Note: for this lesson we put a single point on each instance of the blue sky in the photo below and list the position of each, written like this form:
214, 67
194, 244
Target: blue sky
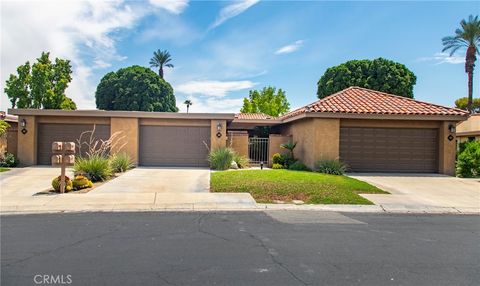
223, 49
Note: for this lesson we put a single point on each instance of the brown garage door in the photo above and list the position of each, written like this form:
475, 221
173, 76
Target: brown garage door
50, 132
181, 146
389, 149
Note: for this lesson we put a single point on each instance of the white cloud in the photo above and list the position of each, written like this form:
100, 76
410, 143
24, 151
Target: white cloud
209, 105
233, 10
212, 87
443, 58
290, 48
172, 6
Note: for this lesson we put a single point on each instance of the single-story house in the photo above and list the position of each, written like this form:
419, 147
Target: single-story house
469, 130
369, 130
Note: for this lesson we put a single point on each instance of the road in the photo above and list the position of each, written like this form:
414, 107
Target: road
243, 248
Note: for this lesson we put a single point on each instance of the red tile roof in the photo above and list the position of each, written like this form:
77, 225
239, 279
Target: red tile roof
359, 100
253, 116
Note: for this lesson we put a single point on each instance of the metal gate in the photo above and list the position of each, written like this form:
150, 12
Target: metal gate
258, 150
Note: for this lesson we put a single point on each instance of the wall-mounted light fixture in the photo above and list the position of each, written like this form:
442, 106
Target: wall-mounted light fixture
219, 126
23, 123
451, 128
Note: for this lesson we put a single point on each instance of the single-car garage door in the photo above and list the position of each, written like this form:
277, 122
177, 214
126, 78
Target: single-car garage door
51, 132
177, 146
389, 149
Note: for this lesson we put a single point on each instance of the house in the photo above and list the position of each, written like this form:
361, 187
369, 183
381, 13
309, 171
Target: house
369, 130
8, 142
469, 129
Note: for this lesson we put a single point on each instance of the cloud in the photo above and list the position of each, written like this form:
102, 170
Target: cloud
212, 87
443, 58
290, 48
233, 10
209, 105
172, 6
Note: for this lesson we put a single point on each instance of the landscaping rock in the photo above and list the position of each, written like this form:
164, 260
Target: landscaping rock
234, 165
298, 202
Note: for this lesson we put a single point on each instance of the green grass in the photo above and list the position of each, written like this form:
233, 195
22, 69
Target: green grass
313, 188
2, 169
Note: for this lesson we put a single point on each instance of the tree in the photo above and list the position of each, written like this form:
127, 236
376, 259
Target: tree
42, 85
3, 127
467, 37
266, 101
379, 74
188, 103
135, 88
159, 60
462, 103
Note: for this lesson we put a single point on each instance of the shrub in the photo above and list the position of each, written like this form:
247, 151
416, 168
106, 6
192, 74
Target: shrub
56, 184
290, 146
298, 166
468, 162
95, 167
277, 158
9, 160
120, 162
333, 167
277, 166
81, 182
221, 158
242, 161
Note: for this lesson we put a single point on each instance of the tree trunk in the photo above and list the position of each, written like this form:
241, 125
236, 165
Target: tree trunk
160, 72
470, 59
188, 107
470, 91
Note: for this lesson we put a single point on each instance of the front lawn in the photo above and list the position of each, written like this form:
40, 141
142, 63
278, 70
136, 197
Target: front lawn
2, 169
266, 186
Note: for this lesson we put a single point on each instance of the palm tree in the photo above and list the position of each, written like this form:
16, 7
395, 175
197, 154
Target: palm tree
188, 102
159, 60
467, 37
290, 146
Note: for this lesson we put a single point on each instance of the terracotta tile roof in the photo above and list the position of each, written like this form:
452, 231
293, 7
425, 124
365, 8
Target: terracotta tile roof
253, 116
359, 100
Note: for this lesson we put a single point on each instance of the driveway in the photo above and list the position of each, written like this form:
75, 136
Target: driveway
159, 180
423, 190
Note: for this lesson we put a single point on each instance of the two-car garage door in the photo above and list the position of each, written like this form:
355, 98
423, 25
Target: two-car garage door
389, 149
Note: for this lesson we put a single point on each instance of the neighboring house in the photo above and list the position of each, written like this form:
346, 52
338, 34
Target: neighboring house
469, 129
8, 142
369, 130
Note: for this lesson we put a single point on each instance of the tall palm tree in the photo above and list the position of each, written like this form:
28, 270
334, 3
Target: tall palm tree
159, 60
188, 102
468, 36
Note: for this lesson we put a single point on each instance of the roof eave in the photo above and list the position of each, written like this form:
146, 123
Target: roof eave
377, 116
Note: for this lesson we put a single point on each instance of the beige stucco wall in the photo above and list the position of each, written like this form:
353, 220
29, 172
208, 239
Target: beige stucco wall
12, 138
275, 140
238, 141
26, 147
217, 142
317, 139
127, 138
446, 149
472, 124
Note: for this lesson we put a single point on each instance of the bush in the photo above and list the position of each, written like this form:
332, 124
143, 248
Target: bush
242, 161
81, 182
468, 162
277, 166
56, 184
120, 162
277, 158
95, 167
9, 160
333, 167
221, 158
298, 166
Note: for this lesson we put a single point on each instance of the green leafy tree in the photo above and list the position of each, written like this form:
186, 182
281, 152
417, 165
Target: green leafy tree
378, 74
3, 127
267, 101
188, 103
159, 60
462, 103
135, 88
467, 37
41, 85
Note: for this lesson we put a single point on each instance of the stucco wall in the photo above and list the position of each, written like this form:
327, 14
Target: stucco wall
26, 147
472, 124
275, 140
127, 138
217, 142
446, 149
12, 138
238, 141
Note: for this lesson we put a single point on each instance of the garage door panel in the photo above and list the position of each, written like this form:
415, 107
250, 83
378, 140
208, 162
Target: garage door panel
181, 146
389, 149
51, 132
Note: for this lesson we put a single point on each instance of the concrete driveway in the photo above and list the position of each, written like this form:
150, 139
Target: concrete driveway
413, 190
159, 180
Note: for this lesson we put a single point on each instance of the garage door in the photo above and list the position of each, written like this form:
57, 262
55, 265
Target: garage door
389, 149
50, 132
181, 146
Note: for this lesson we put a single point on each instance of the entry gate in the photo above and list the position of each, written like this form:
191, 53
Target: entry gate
258, 150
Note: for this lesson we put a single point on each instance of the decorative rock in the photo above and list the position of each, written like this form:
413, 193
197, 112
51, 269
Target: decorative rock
298, 202
234, 165
278, 202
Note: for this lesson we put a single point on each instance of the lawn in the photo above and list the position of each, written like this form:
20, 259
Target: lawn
284, 185
2, 169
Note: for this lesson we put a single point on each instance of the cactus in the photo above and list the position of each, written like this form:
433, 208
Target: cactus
56, 184
81, 182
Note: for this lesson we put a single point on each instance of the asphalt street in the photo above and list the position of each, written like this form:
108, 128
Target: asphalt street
240, 248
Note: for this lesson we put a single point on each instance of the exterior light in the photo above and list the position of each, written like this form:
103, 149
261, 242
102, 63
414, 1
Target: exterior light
451, 128
219, 127
261, 165
24, 123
